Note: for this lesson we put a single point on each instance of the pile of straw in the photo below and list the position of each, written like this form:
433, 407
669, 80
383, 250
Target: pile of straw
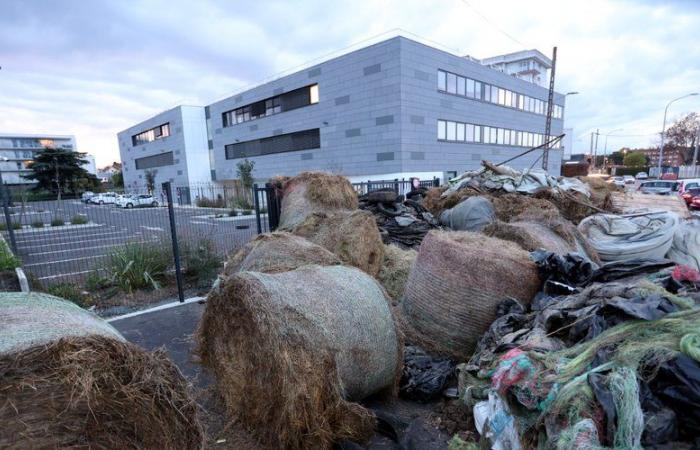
352, 235
455, 285
318, 337
395, 268
314, 192
278, 252
68, 380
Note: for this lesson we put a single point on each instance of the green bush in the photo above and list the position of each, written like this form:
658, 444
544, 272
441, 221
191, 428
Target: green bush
246, 212
70, 292
138, 266
232, 213
37, 224
79, 220
8, 261
57, 222
201, 261
242, 203
204, 202
94, 281
15, 226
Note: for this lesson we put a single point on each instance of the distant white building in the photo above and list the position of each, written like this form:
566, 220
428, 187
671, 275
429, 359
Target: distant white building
567, 143
528, 65
90, 165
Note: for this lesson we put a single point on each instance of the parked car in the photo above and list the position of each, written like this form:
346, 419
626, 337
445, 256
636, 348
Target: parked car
660, 187
137, 201
641, 176
87, 195
617, 181
669, 176
689, 183
104, 199
691, 194
629, 179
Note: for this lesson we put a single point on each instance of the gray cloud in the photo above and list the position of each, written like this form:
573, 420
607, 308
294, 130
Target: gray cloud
94, 68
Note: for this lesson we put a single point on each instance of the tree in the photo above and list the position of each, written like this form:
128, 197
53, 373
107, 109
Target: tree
58, 171
244, 170
117, 179
150, 180
682, 134
635, 159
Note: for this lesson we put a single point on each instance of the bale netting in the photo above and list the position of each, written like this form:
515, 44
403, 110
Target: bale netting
278, 252
455, 285
311, 192
320, 337
396, 266
69, 380
352, 235
543, 229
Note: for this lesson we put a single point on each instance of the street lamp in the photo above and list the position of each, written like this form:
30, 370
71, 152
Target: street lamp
571, 93
605, 149
663, 129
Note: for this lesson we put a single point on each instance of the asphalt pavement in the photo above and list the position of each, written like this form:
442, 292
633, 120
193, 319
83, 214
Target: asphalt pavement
70, 252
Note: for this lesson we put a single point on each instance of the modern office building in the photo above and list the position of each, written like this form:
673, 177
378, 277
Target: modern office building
528, 65
17, 152
172, 144
395, 109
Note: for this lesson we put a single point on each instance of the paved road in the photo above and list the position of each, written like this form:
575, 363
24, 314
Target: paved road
66, 253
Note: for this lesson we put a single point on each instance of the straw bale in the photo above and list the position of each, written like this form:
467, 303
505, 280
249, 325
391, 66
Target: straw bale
352, 235
278, 252
70, 381
455, 285
396, 266
311, 192
291, 352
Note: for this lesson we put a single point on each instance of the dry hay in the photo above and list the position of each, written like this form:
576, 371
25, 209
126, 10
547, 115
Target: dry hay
278, 252
456, 283
292, 350
396, 266
85, 391
311, 192
435, 203
510, 205
543, 229
352, 235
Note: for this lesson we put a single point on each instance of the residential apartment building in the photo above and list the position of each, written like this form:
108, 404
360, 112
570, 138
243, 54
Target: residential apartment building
395, 109
528, 65
17, 152
172, 144
673, 156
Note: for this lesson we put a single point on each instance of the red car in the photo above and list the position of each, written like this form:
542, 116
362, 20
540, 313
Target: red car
692, 198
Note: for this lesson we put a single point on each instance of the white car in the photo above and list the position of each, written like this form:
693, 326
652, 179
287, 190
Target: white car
105, 198
618, 181
641, 176
87, 195
629, 179
137, 201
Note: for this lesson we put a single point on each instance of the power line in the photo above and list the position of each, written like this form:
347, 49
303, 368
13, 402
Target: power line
486, 19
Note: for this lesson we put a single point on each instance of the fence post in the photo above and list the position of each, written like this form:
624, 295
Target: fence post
8, 221
396, 186
173, 235
257, 207
436, 182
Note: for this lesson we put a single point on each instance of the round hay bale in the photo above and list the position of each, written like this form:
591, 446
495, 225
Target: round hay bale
68, 380
352, 235
278, 252
318, 337
455, 285
396, 266
543, 229
510, 205
311, 192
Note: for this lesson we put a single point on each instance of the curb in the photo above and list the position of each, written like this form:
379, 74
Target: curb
157, 308
22, 277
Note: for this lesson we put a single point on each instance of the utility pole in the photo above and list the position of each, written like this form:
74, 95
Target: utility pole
595, 148
550, 108
695, 153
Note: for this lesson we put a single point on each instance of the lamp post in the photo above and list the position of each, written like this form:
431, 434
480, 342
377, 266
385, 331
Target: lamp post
663, 128
605, 149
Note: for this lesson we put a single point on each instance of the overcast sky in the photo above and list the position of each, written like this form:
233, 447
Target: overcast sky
94, 68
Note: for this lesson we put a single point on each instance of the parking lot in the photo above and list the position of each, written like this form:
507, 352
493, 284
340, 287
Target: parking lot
69, 252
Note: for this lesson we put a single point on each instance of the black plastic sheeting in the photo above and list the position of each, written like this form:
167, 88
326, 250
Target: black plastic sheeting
424, 377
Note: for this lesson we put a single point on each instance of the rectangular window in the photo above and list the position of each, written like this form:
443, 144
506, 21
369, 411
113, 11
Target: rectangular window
477, 133
487, 92
442, 81
451, 83
500, 137
487, 134
501, 96
494, 94
298, 98
290, 142
470, 88
494, 136
470, 133
451, 131
461, 86
442, 130
477, 89
460, 132
151, 135
509, 98
149, 162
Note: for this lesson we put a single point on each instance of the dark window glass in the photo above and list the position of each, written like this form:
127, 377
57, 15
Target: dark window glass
298, 98
148, 162
290, 142
150, 135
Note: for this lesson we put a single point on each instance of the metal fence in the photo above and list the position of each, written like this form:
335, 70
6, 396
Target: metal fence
70, 240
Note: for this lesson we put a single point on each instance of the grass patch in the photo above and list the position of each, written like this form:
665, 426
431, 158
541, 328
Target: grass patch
70, 292
37, 224
8, 261
15, 226
138, 266
79, 220
57, 222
